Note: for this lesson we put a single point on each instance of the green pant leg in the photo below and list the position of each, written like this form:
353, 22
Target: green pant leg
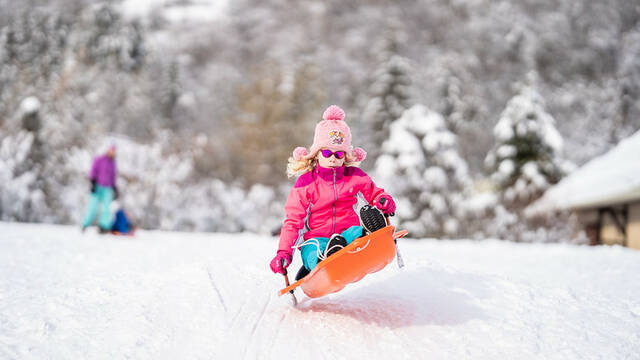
106, 196
92, 208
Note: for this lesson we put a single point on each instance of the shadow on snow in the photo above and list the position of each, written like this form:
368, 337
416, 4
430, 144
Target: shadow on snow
421, 296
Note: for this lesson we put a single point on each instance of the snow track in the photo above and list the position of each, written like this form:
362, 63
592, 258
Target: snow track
215, 289
167, 295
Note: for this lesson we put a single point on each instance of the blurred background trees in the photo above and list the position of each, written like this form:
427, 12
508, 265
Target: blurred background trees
420, 165
226, 90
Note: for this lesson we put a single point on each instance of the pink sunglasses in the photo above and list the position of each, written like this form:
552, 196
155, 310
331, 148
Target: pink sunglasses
327, 153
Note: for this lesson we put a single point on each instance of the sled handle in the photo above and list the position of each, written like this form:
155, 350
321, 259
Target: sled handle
286, 281
386, 216
290, 288
400, 234
396, 236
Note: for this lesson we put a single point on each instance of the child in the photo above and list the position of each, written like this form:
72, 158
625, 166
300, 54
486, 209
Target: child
121, 223
103, 190
322, 202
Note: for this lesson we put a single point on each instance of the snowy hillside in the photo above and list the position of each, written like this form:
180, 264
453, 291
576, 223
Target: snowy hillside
165, 295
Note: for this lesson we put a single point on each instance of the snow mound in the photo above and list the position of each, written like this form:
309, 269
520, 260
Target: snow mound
30, 105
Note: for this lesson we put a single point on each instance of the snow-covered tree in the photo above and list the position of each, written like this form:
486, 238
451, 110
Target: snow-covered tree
109, 40
525, 159
97, 70
22, 159
454, 107
159, 191
168, 93
629, 79
21, 199
389, 93
421, 168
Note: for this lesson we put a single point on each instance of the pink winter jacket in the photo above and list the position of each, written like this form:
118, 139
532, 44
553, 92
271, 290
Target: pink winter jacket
323, 201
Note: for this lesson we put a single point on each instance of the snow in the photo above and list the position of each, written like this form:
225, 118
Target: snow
606, 179
30, 105
196, 296
506, 168
525, 131
19, 197
479, 202
183, 11
528, 105
436, 176
506, 151
421, 121
420, 162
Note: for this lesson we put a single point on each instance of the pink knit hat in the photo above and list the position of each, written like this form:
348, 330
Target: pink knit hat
331, 133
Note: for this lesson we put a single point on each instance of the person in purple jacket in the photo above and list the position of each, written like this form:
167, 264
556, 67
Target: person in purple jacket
103, 190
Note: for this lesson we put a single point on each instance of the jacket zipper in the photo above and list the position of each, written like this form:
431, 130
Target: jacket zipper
335, 198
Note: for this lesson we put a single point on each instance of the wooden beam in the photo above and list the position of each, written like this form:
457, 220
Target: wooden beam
625, 220
621, 224
599, 232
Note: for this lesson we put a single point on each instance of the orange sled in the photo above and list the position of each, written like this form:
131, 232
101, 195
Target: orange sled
363, 256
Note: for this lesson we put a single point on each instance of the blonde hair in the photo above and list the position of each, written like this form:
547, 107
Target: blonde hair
299, 167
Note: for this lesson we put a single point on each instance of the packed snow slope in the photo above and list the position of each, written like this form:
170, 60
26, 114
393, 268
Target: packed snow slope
162, 295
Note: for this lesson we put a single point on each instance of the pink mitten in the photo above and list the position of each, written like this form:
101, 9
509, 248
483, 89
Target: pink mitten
276, 263
386, 204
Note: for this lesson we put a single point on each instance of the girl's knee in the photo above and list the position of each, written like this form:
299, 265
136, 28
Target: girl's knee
352, 233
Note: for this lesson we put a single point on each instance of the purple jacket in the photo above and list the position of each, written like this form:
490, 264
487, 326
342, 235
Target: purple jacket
103, 171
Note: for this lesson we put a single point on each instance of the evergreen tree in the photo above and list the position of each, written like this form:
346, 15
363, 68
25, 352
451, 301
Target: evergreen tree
421, 167
452, 106
629, 86
22, 160
111, 41
389, 94
168, 92
524, 161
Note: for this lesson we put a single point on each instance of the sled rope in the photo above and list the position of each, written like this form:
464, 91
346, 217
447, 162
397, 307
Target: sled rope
313, 241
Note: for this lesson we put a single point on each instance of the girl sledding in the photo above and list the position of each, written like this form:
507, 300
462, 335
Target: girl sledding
321, 219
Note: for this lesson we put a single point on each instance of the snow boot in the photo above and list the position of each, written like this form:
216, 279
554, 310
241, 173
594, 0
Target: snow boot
302, 273
336, 243
372, 218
